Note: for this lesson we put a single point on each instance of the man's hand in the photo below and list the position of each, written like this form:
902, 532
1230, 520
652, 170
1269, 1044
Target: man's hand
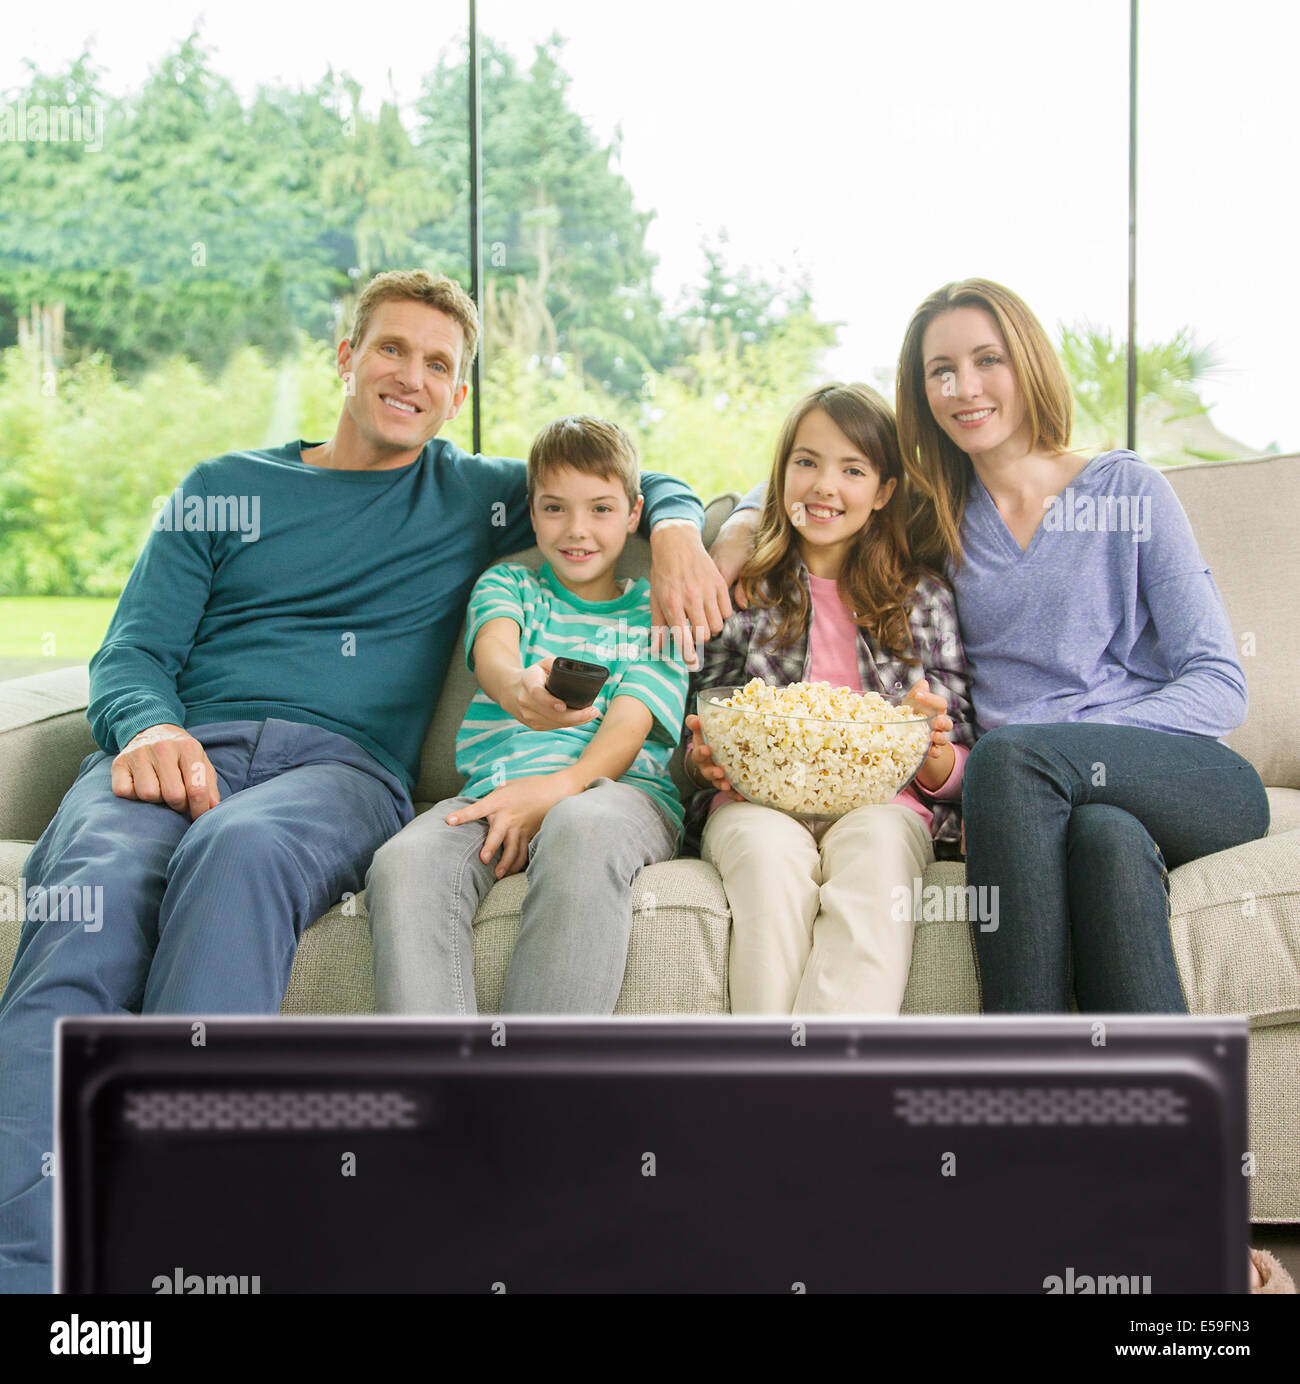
734, 546
515, 812
166, 764
528, 701
688, 594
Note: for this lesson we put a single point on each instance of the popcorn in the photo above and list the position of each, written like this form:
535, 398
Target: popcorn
811, 749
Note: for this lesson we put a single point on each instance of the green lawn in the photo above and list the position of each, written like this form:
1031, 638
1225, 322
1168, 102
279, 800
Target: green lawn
53, 627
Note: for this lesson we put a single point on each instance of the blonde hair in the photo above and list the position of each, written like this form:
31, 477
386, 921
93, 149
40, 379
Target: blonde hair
877, 574
594, 446
419, 286
938, 471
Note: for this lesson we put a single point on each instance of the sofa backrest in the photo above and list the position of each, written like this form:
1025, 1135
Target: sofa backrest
1245, 515
1246, 518
438, 776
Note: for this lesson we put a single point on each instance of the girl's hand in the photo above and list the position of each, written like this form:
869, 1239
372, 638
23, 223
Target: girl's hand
703, 761
940, 757
515, 812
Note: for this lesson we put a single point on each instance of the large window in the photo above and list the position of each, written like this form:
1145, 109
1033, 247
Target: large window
685, 224
186, 212
809, 186
1219, 189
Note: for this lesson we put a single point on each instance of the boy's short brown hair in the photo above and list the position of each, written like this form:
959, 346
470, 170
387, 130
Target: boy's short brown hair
594, 446
419, 286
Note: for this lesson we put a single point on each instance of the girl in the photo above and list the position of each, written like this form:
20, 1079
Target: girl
821, 917
1103, 666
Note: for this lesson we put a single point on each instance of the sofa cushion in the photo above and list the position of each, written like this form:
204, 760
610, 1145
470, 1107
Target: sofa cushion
1236, 929
12, 856
333, 972
1284, 810
1274, 1097
942, 978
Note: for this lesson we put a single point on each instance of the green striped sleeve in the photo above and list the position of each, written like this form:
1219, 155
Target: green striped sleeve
495, 596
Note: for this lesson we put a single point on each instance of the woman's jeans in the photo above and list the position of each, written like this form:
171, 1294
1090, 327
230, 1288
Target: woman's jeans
1071, 830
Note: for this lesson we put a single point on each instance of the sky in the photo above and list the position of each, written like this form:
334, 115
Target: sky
881, 148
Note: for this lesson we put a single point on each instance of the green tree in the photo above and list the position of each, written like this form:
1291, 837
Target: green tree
1168, 374
731, 311
556, 214
207, 254
740, 306
192, 230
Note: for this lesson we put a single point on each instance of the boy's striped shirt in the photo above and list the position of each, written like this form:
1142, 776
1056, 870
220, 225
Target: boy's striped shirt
492, 747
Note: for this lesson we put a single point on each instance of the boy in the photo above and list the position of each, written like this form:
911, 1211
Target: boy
582, 799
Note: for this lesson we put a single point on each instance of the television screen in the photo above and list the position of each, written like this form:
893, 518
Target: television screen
524, 1155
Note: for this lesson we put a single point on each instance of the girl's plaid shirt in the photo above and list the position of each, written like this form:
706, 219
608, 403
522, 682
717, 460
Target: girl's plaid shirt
745, 649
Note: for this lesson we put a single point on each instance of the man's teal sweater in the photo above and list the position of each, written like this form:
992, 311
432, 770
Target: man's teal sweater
271, 588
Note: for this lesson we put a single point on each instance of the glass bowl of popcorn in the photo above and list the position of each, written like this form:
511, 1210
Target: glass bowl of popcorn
813, 750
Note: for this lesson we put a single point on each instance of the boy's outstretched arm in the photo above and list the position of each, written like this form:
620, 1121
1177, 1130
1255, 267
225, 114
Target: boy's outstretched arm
520, 692
614, 746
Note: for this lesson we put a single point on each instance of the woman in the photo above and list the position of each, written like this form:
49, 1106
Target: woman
1103, 666
1103, 671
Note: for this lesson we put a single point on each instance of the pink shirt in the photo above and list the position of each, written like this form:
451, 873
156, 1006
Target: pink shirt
833, 658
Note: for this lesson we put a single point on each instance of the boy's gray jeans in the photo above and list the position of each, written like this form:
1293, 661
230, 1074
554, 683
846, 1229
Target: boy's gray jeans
426, 883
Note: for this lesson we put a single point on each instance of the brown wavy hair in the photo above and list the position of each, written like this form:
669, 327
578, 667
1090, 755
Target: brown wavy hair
938, 472
877, 574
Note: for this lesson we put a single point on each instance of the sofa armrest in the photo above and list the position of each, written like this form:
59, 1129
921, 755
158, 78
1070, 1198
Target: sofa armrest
44, 736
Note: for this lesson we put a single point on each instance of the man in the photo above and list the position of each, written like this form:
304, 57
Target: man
259, 702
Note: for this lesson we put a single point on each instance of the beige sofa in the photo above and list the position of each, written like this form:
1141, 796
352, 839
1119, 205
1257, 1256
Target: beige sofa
1236, 915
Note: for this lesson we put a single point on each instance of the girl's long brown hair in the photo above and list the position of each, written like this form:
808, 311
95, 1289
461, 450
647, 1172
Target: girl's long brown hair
877, 574
939, 473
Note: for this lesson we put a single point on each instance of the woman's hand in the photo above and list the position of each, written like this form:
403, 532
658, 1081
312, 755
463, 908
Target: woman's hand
515, 813
701, 759
941, 756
